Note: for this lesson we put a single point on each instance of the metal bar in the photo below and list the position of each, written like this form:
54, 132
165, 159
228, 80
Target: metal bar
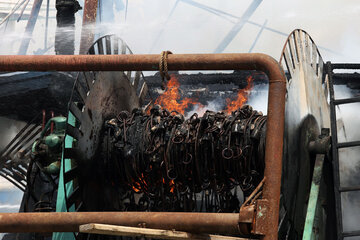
30, 27
142, 62
226, 223
351, 233
22, 139
238, 26
335, 154
19, 185
349, 189
15, 138
345, 66
46, 23
245, 61
89, 20
348, 144
258, 36
310, 231
346, 100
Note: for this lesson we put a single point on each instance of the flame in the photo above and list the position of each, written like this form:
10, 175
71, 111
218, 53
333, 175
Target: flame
171, 98
241, 98
141, 185
172, 186
137, 184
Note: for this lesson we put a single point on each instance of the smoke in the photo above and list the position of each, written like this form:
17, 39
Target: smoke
158, 25
215, 105
8, 129
349, 158
257, 99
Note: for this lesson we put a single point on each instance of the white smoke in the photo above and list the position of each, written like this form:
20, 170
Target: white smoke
257, 99
8, 129
215, 105
349, 158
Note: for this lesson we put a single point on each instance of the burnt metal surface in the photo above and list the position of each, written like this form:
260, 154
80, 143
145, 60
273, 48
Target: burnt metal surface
276, 103
162, 162
97, 96
25, 95
307, 92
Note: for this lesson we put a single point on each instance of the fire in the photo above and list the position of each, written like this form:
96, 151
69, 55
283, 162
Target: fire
242, 97
171, 98
137, 185
141, 185
172, 186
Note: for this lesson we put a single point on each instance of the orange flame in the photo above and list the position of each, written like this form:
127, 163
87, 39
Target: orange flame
241, 98
172, 186
170, 99
141, 184
137, 185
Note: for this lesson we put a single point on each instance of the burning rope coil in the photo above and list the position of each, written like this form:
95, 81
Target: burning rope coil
163, 67
193, 165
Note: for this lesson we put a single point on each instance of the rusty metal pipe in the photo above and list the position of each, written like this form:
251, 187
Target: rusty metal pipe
88, 25
276, 101
150, 62
226, 223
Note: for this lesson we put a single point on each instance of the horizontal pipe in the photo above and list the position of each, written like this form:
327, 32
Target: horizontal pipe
345, 65
225, 223
140, 62
346, 100
350, 189
348, 144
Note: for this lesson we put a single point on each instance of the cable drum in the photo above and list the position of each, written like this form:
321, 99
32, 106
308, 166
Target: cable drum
166, 163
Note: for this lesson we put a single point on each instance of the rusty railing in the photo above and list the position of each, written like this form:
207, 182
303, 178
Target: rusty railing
259, 219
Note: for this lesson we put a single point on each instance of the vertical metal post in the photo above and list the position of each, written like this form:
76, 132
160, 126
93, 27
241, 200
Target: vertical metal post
46, 23
310, 231
30, 27
335, 154
89, 20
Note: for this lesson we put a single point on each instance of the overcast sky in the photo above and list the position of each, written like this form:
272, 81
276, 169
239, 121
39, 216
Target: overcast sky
333, 24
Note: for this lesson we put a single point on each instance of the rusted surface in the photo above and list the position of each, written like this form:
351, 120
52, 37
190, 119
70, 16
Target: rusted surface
230, 61
247, 214
88, 25
276, 104
246, 219
260, 226
226, 223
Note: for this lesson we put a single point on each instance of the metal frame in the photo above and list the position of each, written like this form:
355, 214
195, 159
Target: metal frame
336, 145
261, 218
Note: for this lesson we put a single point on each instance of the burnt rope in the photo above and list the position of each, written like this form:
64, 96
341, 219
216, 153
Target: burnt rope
198, 164
163, 67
